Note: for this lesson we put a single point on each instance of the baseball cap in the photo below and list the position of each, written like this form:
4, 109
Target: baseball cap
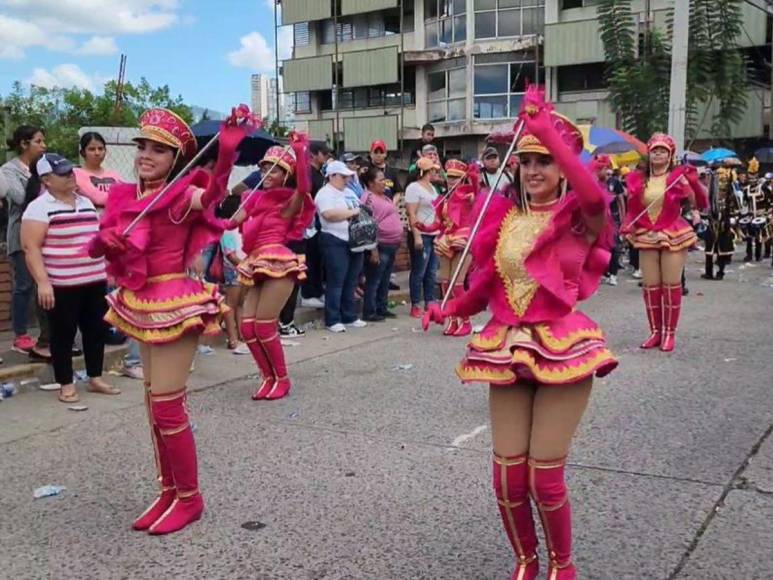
428, 148
489, 152
425, 164
350, 157
378, 144
338, 168
53, 163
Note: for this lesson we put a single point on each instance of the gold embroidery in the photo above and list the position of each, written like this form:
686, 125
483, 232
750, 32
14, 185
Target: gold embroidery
517, 235
566, 374
484, 374
488, 341
547, 337
166, 277
154, 335
653, 194
168, 396
129, 298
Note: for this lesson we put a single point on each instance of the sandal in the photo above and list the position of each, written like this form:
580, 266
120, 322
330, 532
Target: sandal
103, 389
69, 398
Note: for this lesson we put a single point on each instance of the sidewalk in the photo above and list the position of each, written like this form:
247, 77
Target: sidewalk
18, 366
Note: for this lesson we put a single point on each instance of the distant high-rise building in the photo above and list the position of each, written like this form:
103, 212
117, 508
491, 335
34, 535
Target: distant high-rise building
261, 98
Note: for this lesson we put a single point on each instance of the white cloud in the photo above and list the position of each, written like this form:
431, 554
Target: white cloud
64, 76
99, 46
56, 24
254, 54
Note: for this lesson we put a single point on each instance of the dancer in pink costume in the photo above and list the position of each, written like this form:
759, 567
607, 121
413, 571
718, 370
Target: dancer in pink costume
536, 258
276, 215
156, 302
455, 212
655, 226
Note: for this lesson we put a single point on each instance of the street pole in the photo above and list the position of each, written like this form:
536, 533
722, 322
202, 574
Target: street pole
276, 62
676, 106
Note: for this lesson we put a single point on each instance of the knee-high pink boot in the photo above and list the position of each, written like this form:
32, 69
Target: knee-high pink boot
268, 337
251, 340
511, 486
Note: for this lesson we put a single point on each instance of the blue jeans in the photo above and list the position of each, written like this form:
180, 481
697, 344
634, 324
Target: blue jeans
24, 290
377, 281
424, 264
132, 357
342, 271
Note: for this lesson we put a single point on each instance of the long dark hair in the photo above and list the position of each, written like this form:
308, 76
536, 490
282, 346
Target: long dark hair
87, 138
20, 135
34, 185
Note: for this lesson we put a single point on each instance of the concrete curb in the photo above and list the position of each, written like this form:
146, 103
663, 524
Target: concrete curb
44, 372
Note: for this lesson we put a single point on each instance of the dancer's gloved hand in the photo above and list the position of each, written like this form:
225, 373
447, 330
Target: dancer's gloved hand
434, 313
108, 242
300, 145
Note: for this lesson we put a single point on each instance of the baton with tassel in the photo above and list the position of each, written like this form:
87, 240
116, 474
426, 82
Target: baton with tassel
481, 215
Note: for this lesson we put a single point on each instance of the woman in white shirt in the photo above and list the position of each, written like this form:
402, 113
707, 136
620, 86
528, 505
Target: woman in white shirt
420, 197
336, 205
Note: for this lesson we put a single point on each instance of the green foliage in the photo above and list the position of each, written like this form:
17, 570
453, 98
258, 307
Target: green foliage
62, 112
635, 74
639, 79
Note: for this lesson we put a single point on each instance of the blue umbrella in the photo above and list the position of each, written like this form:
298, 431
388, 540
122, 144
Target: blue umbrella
251, 150
715, 155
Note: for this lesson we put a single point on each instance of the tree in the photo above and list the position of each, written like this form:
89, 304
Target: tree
637, 68
62, 112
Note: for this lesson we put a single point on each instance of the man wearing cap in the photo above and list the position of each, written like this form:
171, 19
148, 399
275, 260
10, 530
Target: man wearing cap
354, 162
378, 154
490, 159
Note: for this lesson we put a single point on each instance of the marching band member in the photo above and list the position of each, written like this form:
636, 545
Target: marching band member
655, 227
156, 302
455, 214
720, 238
278, 214
536, 258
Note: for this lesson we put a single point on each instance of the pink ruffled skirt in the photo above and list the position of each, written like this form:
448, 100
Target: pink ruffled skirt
561, 352
271, 261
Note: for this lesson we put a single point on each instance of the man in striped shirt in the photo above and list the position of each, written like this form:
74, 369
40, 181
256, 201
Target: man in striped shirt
56, 228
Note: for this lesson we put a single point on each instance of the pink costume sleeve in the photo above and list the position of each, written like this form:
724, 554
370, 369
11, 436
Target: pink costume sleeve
302, 174
701, 196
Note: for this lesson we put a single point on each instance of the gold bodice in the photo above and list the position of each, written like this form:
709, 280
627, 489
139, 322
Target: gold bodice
653, 192
516, 239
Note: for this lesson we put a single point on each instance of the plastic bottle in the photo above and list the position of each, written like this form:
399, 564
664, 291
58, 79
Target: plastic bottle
8, 390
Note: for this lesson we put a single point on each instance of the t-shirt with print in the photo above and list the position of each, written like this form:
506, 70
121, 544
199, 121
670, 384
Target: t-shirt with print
331, 198
95, 186
425, 211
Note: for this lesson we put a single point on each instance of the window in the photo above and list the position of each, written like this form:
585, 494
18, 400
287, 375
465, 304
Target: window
445, 22
447, 95
506, 18
581, 77
380, 96
361, 26
499, 88
567, 4
301, 34
302, 102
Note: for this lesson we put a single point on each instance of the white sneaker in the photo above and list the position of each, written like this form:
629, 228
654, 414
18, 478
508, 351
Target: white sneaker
313, 303
357, 324
241, 348
636, 275
206, 350
338, 327
612, 280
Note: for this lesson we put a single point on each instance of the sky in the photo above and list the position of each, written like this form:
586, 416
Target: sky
205, 50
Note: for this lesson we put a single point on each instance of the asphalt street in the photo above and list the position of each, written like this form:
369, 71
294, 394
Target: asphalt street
378, 463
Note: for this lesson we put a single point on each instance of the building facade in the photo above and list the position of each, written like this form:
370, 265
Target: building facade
367, 69
260, 93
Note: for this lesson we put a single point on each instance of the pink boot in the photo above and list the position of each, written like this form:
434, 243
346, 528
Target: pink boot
251, 340
163, 469
548, 490
672, 306
268, 336
512, 491
171, 418
653, 302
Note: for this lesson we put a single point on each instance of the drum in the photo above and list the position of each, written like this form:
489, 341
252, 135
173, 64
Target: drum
744, 224
757, 227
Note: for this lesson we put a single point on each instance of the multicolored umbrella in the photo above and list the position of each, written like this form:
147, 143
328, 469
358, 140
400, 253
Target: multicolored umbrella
717, 155
620, 146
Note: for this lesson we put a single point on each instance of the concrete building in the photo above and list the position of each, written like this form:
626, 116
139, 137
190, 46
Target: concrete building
574, 62
382, 68
260, 94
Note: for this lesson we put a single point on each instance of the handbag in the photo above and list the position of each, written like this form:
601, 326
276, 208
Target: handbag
363, 231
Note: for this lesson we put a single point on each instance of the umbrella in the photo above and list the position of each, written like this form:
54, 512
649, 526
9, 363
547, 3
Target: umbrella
764, 155
693, 158
717, 155
611, 142
251, 150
